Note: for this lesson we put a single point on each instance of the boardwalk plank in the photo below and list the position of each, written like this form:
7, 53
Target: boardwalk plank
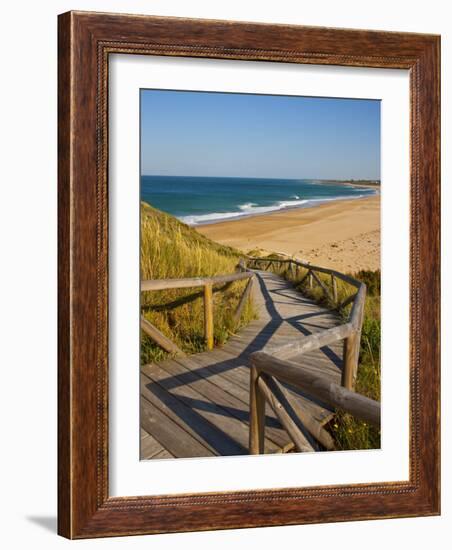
189, 420
172, 437
227, 413
149, 447
240, 402
237, 382
214, 386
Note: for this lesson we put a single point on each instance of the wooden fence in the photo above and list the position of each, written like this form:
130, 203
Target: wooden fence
272, 368
267, 370
207, 283
349, 331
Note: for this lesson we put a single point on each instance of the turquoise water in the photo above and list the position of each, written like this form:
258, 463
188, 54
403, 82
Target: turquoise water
198, 200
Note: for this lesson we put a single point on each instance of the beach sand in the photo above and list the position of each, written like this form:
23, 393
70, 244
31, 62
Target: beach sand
344, 235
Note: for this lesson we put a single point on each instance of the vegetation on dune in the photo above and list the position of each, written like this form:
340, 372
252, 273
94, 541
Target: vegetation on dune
169, 250
350, 433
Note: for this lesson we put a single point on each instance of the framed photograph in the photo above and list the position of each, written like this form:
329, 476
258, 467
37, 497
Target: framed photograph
248, 274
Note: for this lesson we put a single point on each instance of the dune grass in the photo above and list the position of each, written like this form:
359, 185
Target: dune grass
348, 432
171, 249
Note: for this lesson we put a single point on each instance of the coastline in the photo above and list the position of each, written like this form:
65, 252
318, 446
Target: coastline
343, 234
366, 185
250, 210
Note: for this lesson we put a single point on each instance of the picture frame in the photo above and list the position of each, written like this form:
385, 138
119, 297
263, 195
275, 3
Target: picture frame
86, 40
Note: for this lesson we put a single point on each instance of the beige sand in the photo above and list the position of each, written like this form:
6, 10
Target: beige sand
344, 235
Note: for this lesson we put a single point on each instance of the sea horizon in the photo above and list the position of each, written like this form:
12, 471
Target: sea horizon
199, 200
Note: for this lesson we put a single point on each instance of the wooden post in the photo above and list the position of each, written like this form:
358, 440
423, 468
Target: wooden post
208, 315
257, 415
310, 280
305, 276
281, 408
323, 286
293, 408
353, 342
334, 285
243, 300
347, 301
350, 361
159, 338
358, 343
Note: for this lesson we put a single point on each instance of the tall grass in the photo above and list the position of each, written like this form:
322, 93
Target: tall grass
171, 249
350, 433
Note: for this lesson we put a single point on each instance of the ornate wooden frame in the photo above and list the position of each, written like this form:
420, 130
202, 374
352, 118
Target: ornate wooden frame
85, 42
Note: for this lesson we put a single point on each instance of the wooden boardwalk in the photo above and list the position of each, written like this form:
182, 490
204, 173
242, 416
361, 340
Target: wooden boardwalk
198, 405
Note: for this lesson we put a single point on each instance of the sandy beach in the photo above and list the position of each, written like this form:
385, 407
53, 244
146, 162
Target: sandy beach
344, 235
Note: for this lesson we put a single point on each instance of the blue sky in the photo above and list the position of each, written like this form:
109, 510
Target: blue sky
248, 135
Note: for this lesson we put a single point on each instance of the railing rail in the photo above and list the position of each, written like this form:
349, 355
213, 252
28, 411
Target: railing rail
272, 367
191, 282
349, 331
300, 263
267, 370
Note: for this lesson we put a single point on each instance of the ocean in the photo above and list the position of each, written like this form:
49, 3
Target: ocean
198, 200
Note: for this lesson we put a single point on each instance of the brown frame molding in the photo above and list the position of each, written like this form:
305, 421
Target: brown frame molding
84, 44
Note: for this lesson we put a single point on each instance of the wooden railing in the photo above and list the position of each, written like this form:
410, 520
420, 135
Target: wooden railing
273, 367
267, 371
270, 368
349, 331
207, 283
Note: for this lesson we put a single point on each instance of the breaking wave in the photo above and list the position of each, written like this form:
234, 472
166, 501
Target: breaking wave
252, 209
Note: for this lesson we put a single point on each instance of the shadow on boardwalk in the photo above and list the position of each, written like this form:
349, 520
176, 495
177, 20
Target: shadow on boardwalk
199, 405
